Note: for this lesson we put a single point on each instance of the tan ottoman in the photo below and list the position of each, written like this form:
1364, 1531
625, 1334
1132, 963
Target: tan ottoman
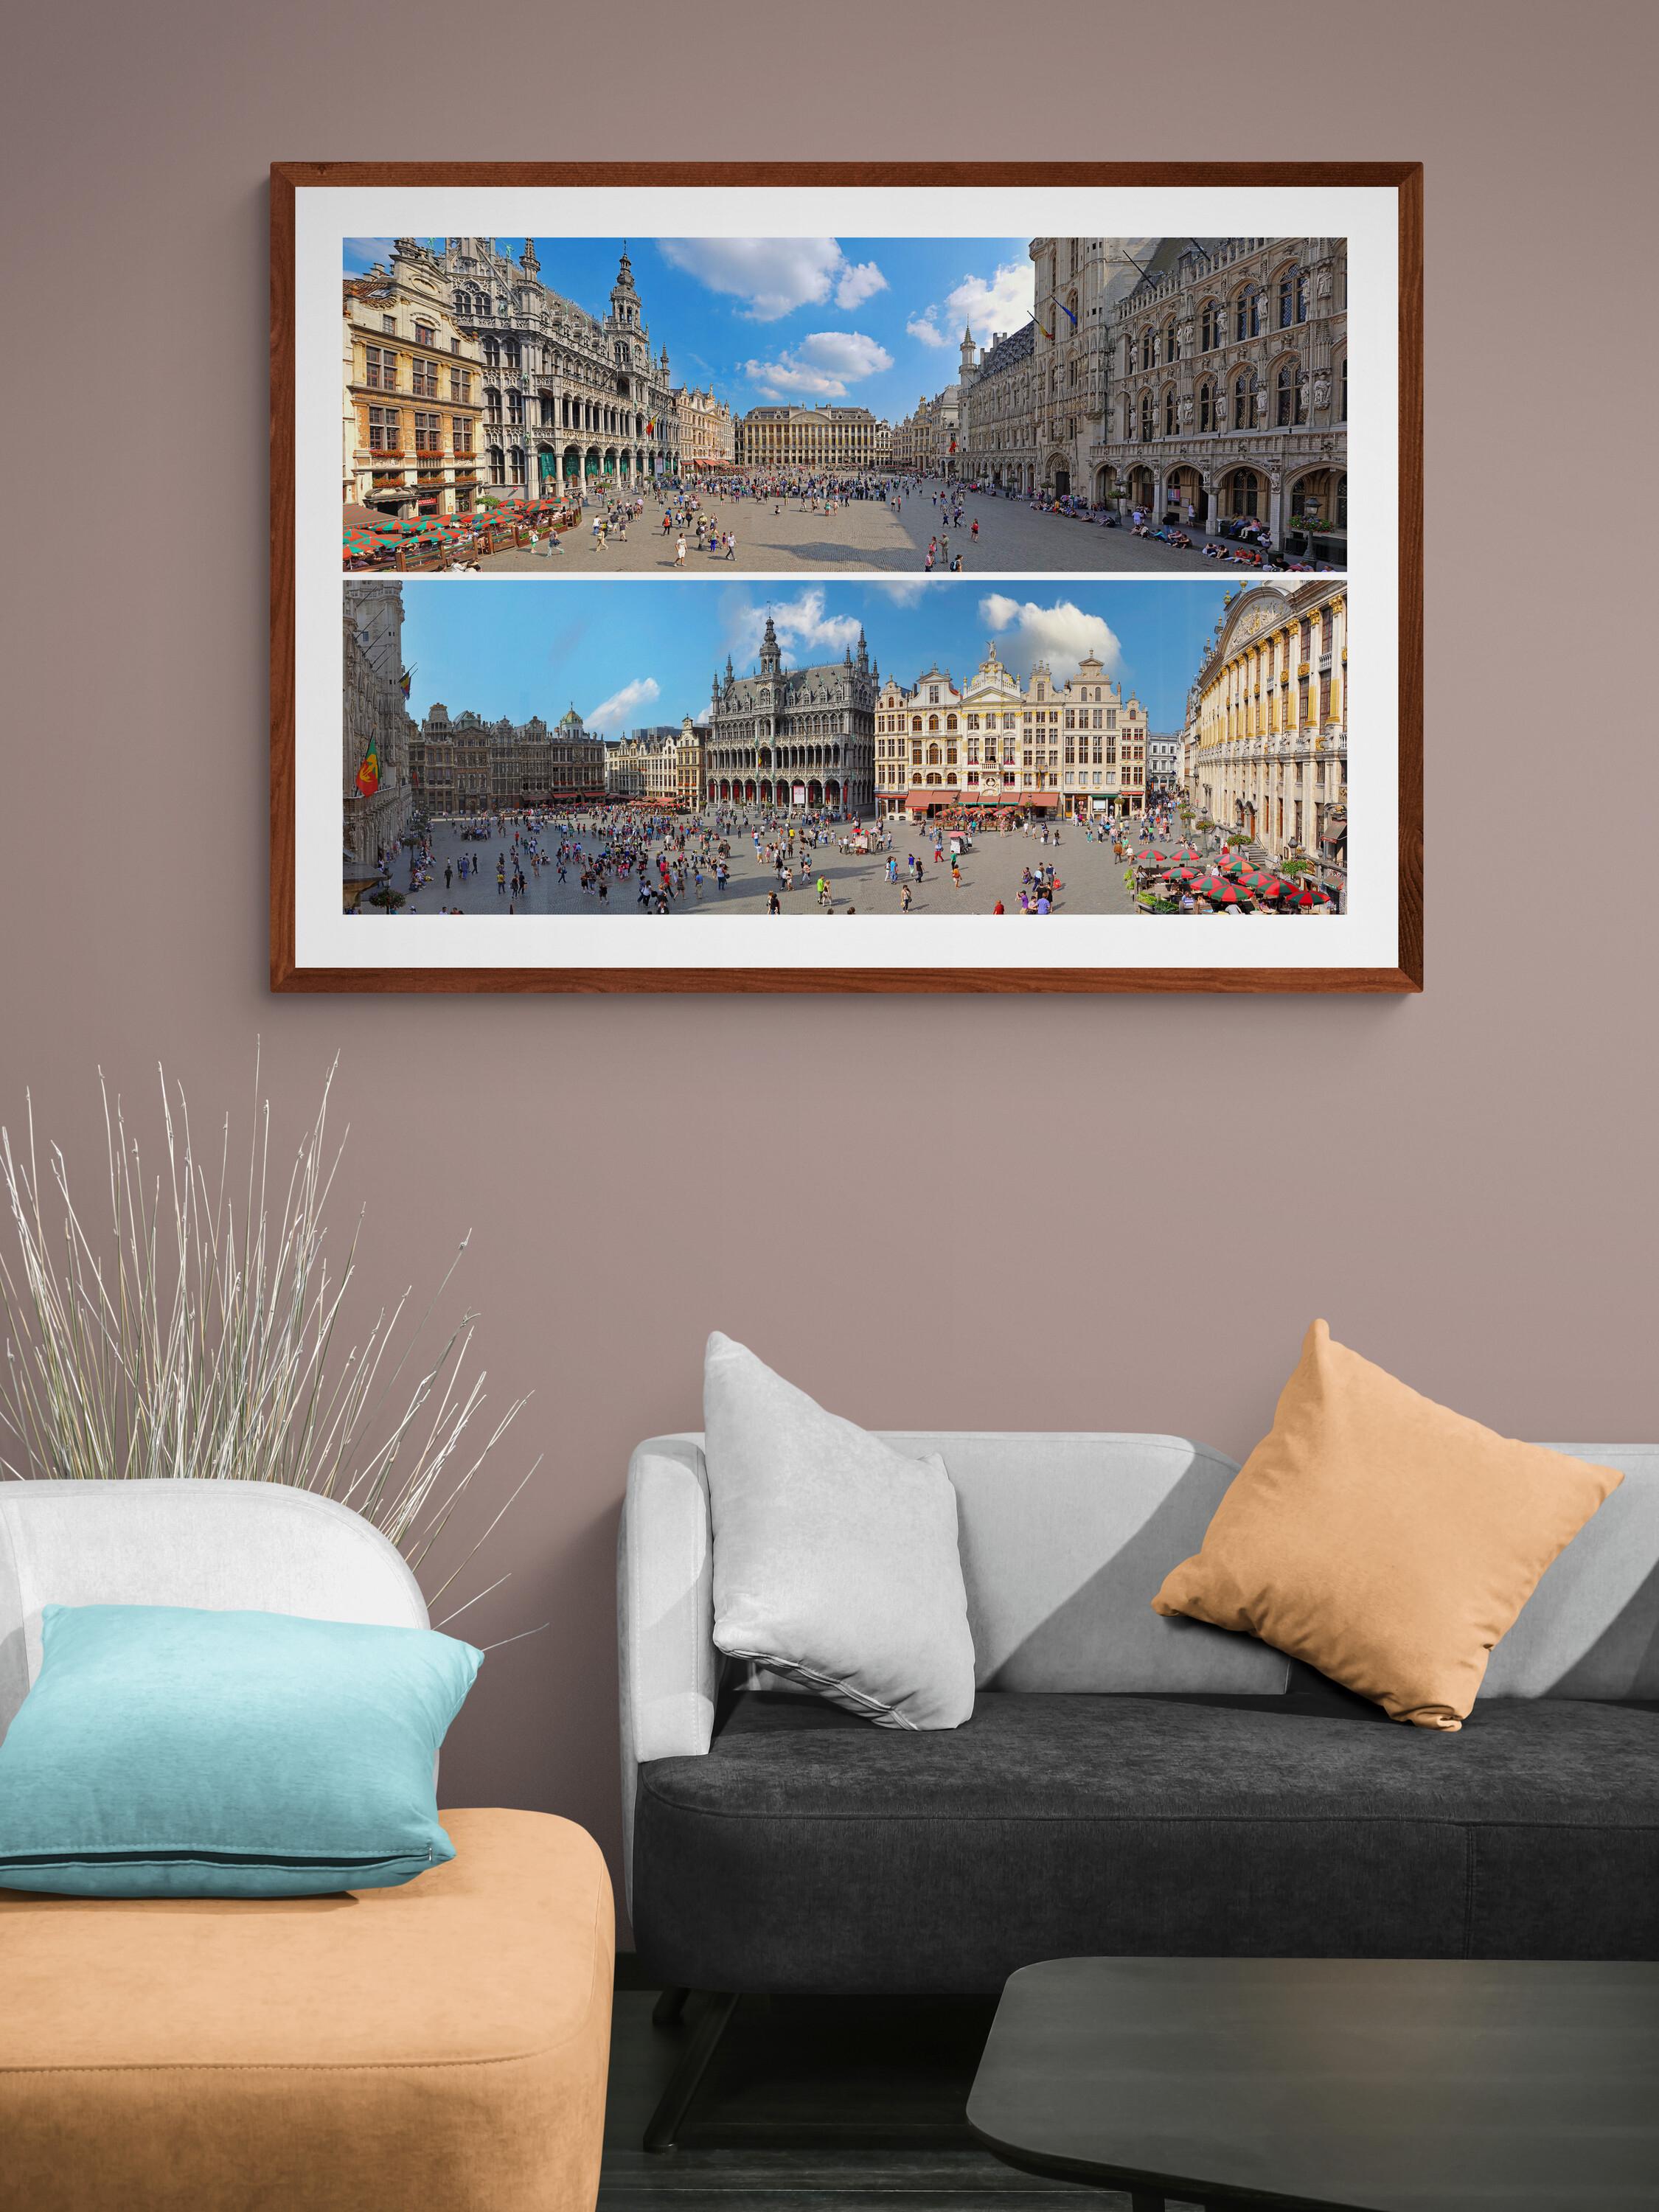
437, 2048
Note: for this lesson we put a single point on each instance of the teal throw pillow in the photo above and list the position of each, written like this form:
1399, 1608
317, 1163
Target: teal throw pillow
165, 1752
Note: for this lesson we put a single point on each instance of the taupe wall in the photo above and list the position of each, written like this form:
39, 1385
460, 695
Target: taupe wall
1106, 1215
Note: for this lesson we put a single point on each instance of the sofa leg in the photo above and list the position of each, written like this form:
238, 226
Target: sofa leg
665, 2124
669, 2004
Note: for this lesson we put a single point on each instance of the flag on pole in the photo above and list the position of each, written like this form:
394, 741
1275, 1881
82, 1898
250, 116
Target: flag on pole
1050, 335
405, 680
368, 775
1065, 310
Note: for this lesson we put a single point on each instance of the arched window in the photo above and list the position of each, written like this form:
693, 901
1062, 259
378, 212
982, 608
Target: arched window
932, 721
1146, 414
950, 722
915, 721
1171, 344
1284, 397
1343, 415
1206, 407
1242, 492
1169, 412
492, 353
1289, 284
1241, 402
1247, 317
1148, 349
1212, 328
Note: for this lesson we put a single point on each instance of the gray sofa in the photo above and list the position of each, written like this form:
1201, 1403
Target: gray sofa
1128, 1785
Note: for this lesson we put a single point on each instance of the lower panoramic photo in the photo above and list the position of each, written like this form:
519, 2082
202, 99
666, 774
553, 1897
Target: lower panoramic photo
547, 778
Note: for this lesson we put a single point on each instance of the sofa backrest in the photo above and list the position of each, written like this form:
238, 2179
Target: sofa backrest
1064, 1539
227, 1546
1591, 1627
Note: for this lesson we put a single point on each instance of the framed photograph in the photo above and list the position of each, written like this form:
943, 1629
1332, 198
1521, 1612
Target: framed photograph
669, 558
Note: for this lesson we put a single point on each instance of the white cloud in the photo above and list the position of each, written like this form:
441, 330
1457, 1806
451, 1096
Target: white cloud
821, 366
773, 276
616, 711
802, 626
784, 379
904, 590
983, 305
860, 281
1060, 634
1001, 303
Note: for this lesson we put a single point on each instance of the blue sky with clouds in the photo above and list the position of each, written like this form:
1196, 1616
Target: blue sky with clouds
627, 655
867, 322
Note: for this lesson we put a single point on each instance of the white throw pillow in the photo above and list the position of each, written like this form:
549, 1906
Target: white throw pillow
835, 1560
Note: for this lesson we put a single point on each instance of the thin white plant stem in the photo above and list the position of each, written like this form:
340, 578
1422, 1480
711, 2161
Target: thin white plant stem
196, 1340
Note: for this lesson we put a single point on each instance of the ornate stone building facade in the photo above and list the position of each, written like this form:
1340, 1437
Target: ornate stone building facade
461, 764
1077, 748
708, 433
999, 434
689, 751
375, 717
1033, 402
1267, 749
1163, 761
927, 442
819, 439
413, 392
795, 737
567, 400
1228, 395
644, 766
1202, 379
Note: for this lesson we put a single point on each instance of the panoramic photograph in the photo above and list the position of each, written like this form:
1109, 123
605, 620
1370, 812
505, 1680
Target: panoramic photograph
563, 407
893, 746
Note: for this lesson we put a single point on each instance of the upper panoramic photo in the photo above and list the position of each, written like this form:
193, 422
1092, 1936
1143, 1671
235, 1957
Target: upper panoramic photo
716, 405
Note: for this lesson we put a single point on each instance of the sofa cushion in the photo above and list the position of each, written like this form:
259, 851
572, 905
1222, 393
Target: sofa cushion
835, 1561
804, 1852
1385, 1540
440, 2044
184, 1751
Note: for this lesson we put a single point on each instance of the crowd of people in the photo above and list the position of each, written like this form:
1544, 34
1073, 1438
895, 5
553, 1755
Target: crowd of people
636, 855
699, 518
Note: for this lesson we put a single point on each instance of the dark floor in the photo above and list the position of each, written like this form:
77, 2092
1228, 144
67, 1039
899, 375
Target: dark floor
878, 2088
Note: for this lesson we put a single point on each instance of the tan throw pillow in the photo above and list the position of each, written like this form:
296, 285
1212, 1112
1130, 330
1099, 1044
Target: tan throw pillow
1381, 1538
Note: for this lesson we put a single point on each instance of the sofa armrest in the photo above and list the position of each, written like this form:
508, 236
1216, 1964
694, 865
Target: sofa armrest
668, 1668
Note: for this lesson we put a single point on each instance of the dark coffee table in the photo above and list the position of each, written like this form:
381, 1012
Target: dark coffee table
1332, 2085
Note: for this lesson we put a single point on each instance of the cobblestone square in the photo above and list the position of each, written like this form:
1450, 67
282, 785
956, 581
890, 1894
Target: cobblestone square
1091, 880
875, 536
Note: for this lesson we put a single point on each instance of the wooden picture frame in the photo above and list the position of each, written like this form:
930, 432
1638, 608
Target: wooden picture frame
296, 569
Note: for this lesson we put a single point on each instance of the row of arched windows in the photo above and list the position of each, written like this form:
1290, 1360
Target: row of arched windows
1284, 404
1248, 314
